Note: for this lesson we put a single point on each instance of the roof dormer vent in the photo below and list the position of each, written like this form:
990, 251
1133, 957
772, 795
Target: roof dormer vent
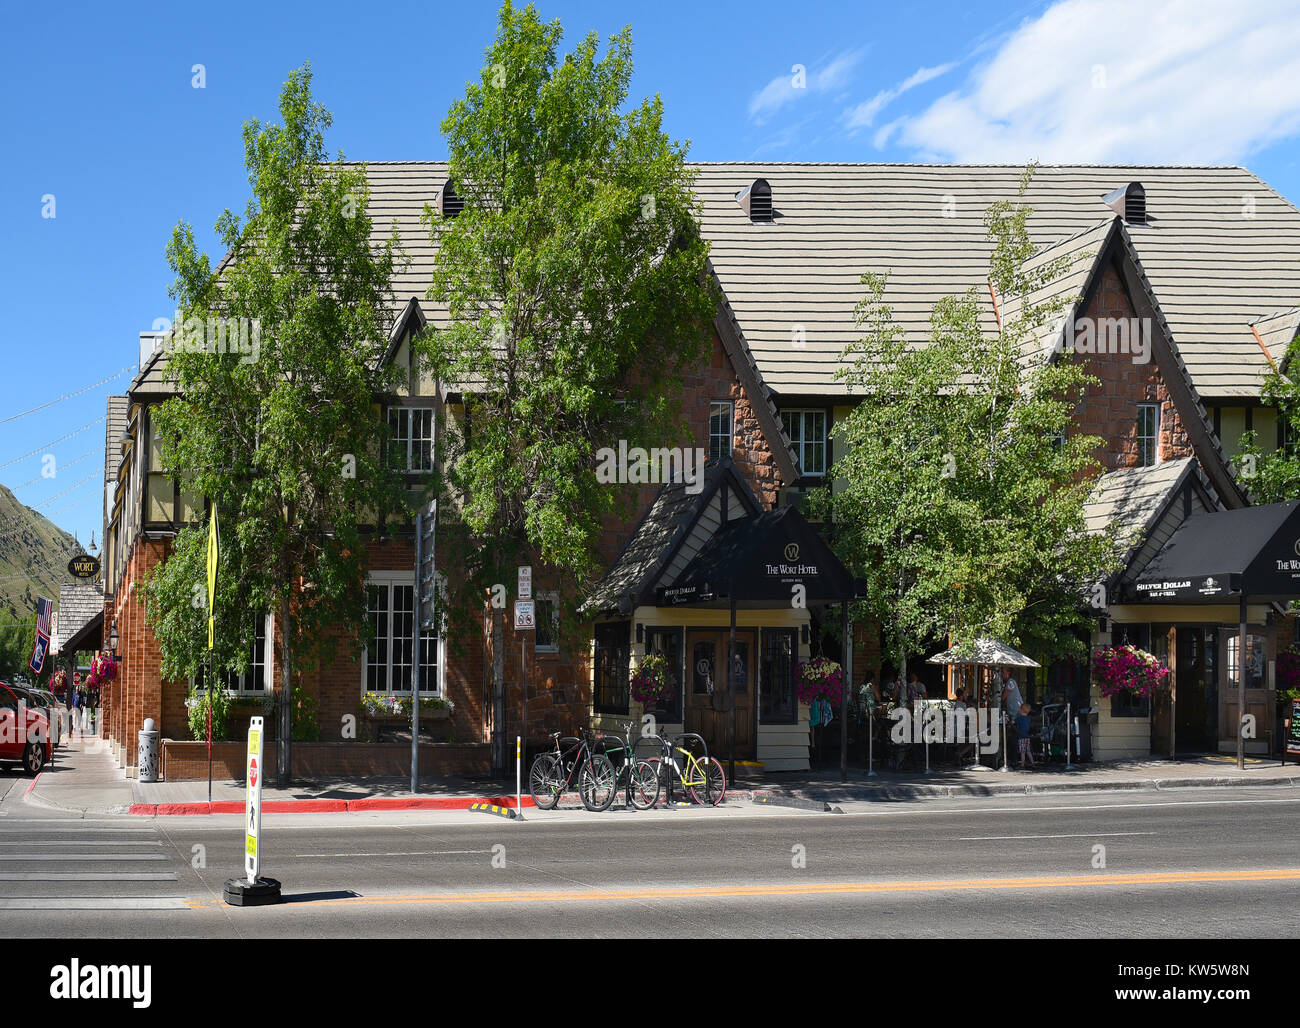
1129, 202
448, 202
756, 200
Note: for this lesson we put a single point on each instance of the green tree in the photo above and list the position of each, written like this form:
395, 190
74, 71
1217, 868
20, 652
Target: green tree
283, 435
574, 279
1273, 476
962, 500
16, 648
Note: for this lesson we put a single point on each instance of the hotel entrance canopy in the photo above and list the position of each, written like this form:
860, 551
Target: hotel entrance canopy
1228, 555
764, 560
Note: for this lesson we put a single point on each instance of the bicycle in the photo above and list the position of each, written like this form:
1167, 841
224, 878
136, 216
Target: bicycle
553, 774
702, 776
639, 778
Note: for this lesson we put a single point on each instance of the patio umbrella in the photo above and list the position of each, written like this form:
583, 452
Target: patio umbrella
987, 652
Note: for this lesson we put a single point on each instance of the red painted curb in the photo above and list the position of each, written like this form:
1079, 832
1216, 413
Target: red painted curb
325, 806
34, 781
300, 807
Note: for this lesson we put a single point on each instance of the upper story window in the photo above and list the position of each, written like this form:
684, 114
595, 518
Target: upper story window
807, 431
721, 413
412, 444
1148, 434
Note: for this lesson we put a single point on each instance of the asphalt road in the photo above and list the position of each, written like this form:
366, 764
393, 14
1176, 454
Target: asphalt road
1194, 863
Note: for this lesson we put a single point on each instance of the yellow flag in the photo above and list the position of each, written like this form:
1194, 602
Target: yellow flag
212, 574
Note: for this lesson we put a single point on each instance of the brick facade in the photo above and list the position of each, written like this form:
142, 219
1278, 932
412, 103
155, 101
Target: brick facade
558, 684
1109, 409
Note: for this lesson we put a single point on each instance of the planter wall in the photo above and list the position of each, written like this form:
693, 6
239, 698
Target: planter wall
185, 761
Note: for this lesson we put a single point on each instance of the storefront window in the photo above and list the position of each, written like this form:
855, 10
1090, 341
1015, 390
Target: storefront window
779, 702
612, 651
668, 641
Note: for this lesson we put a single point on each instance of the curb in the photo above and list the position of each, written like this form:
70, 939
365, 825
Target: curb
909, 791
370, 803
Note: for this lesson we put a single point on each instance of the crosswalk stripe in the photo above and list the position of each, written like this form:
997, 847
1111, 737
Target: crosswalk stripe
79, 842
96, 903
83, 856
88, 876
72, 830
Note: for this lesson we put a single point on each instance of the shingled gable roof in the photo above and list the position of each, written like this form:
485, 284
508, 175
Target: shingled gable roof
79, 605
1276, 333
1140, 507
655, 543
1213, 269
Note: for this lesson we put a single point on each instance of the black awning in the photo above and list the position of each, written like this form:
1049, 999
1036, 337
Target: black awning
1213, 558
760, 559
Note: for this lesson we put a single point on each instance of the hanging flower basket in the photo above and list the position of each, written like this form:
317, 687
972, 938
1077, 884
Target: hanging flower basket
103, 668
652, 685
820, 679
59, 681
1126, 669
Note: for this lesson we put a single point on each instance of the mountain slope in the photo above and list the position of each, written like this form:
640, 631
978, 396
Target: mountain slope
34, 554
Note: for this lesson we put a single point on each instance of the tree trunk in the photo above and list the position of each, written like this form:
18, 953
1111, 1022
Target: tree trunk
286, 694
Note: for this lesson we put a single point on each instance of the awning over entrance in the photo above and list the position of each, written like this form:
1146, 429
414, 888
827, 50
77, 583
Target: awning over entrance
1213, 558
772, 559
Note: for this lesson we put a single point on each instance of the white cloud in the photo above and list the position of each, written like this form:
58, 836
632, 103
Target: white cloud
865, 113
1168, 81
783, 89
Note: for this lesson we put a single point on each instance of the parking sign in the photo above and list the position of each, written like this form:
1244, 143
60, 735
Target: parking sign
525, 616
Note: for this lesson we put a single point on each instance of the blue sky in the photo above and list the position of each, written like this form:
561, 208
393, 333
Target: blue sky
100, 112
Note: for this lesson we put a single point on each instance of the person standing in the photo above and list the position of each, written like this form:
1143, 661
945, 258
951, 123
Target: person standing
1022, 730
1011, 703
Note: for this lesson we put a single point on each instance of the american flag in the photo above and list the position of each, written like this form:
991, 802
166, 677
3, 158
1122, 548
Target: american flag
44, 611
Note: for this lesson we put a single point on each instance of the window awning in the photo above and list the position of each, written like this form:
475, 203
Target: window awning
1210, 558
761, 560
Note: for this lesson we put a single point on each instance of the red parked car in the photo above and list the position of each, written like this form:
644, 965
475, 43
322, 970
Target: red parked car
28, 742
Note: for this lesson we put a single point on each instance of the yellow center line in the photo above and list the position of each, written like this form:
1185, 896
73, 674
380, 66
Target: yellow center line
815, 888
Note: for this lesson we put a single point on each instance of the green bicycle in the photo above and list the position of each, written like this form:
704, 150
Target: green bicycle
702, 777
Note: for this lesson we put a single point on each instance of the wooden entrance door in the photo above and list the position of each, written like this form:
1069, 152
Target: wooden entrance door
708, 712
1257, 689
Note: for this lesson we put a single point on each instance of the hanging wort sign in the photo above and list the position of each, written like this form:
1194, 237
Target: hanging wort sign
84, 566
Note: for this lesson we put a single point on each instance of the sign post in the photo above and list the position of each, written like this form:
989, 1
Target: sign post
525, 621
253, 890
253, 802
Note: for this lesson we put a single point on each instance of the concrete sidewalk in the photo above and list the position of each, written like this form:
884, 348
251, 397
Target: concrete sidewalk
84, 779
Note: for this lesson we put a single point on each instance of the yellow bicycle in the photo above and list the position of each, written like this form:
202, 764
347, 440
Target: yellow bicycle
702, 776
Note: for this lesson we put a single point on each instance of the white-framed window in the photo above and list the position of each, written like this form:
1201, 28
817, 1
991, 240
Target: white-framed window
257, 679
807, 431
721, 432
412, 444
1148, 434
547, 632
386, 660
